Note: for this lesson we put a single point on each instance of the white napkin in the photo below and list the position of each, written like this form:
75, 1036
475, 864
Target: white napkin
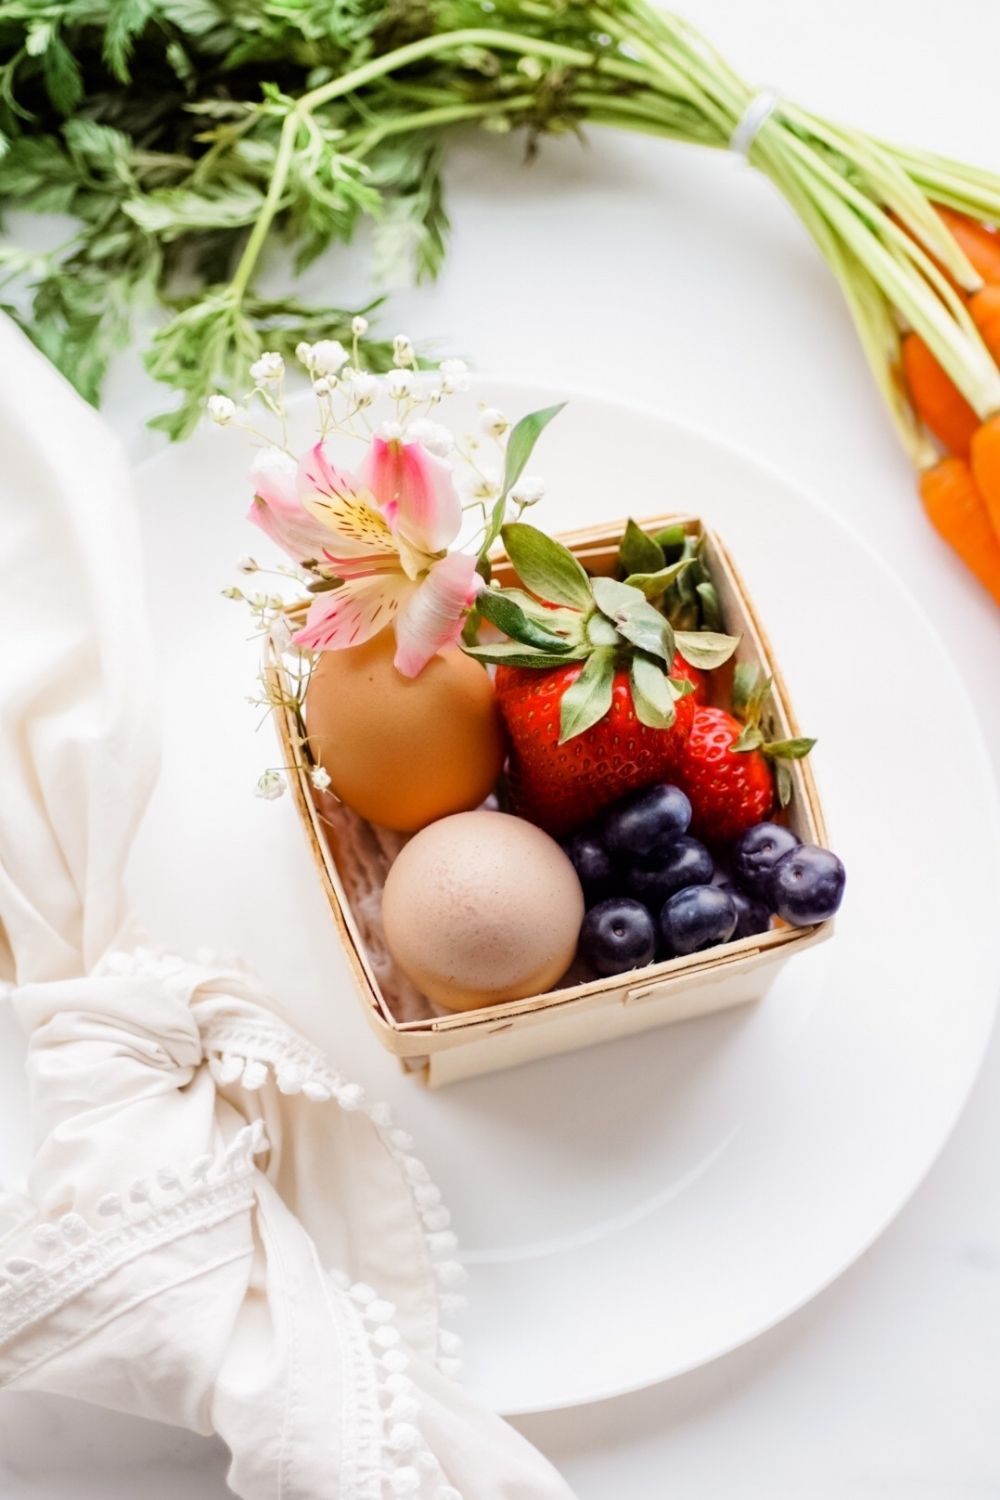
219, 1232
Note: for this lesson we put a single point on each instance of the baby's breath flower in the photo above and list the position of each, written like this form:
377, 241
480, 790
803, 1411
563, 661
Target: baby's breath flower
402, 350
320, 778
364, 387
328, 357
270, 786
325, 385
484, 486
221, 410
454, 376
281, 634
246, 564
359, 326
390, 432
493, 422
433, 436
268, 369
528, 490
232, 592
304, 353
400, 384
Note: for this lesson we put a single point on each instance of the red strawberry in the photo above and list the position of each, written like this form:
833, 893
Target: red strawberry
730, 790
560, 786
682, 668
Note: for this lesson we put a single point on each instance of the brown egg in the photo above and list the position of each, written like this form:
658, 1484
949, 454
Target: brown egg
403, 751
482, 907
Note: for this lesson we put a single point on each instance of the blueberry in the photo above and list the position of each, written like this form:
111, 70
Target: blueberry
650, 818
807, 885
684, 862
756, 853
752, 914
616, 935
593, 865
698, 918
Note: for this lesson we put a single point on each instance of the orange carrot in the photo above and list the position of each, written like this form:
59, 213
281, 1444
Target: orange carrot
986, 467
981, 245
958, 513
984, 306
937, 399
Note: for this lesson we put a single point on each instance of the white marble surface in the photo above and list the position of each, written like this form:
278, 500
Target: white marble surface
678, 277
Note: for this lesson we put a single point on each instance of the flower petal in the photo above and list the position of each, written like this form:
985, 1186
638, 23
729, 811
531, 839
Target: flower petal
431, 617
353, 613
415, 492
345, 507
277, 509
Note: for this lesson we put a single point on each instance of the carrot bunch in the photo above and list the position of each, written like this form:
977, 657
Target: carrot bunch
961, 490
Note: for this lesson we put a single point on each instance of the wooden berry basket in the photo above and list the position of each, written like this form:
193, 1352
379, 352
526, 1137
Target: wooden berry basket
352, 860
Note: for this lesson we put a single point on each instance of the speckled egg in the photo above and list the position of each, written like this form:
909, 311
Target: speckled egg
403, 751
482, 907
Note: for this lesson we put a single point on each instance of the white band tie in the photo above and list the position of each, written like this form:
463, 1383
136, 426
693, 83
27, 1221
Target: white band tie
754, 118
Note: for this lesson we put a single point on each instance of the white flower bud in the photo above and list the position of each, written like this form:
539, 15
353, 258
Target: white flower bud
454, 376
325, 385
359, 326
320, 778
390, 432
364, 387
221, 410
304, 354
402, 350
528, 490
268, 369
270, 786
493, 422
328, 357
399, 384
246, 564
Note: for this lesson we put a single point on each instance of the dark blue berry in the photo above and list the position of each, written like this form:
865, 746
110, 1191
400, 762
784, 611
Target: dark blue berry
617, 935
756, 853
807, 885
697, 918
684, 862
752, 914
593, 865
647, 820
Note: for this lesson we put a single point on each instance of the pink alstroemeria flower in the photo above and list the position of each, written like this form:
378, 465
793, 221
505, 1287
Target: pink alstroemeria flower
382, 531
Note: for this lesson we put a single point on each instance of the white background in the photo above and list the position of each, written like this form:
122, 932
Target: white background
678, 277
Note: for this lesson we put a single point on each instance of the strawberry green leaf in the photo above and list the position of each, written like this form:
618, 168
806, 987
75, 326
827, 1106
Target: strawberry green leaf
653, 584
651, 694
546, 567
512, 654
634, 618
680, 687
506, 615
588, 699
711, 612
638, 552
750, 688
671, 538
795, 749
750, 739
706, 648
562, 621
601, 632
783, 778
520, 445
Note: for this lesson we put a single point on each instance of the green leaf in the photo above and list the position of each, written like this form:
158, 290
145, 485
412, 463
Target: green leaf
508, 616
796, 749
654, 584
680, 687
63, 77
706, 648
671, 538
511, 654
601, 632
651, 693
785, 784
711, 613
520, 445
546, 567
126, 19
750, 739
634, 618
638, 552
587, 700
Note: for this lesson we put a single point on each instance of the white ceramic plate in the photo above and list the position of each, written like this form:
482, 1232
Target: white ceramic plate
635, 1210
